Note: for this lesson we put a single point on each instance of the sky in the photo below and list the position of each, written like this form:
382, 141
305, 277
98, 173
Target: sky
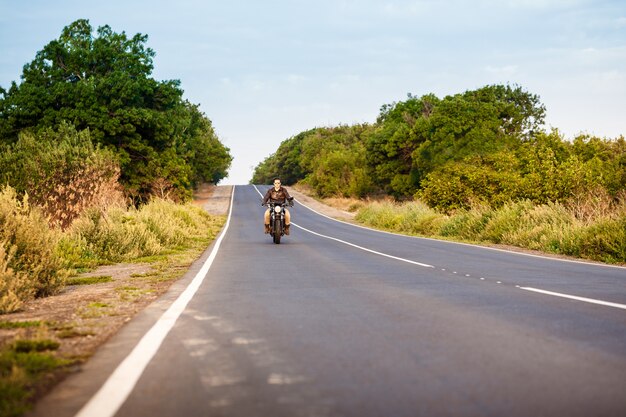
264, 71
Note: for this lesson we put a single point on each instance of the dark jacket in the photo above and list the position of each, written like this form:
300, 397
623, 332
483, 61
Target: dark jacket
276, 196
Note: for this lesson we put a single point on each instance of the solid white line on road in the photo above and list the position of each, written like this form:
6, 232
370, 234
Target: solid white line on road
532, 255
107, 401
362, 248
352, 244
574, 297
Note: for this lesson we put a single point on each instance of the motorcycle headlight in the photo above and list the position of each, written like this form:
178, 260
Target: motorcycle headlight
277, 209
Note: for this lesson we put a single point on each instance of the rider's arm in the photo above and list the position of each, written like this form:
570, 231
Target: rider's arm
266, 197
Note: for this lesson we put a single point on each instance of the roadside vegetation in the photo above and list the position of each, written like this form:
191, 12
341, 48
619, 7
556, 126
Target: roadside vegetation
98, 162
476, 166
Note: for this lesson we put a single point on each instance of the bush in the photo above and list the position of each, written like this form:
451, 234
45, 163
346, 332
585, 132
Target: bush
467, 224
173, 224
113, 236
383, 215
118, 235
605, 240
15, 287
504, 221
29, 249
62, 172
548, 227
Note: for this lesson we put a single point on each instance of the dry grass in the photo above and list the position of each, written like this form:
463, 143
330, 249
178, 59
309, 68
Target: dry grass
594, 228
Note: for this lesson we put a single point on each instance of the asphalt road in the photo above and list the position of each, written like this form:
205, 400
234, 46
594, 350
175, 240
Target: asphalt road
339, 320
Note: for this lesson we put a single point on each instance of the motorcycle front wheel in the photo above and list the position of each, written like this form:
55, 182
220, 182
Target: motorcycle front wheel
277, 232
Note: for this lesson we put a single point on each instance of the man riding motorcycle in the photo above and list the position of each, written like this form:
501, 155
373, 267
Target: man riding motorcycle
277, 194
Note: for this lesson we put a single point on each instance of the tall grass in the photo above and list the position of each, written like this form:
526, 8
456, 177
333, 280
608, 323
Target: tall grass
553, 227
118, 235
29, 262
35, 257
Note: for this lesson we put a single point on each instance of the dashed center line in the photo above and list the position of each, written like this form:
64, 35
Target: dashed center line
573, 297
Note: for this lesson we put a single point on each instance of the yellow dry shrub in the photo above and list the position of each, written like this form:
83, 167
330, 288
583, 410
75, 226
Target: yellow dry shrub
113, 235
29, 247
118, 234
64, 196
15, 287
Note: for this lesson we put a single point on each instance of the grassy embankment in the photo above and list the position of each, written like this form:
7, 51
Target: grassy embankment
37, 260
593, 229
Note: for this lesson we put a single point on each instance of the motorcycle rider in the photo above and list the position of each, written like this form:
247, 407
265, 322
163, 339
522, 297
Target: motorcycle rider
277, 194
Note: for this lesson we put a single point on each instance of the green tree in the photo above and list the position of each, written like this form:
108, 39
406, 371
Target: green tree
417, 136
208, 158
102, 81
399, 132
286, 162
334, 160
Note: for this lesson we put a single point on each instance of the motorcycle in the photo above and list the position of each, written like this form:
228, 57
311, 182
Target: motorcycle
277, 218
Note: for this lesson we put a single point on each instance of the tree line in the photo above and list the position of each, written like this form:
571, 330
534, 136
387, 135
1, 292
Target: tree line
485, 146
89, 99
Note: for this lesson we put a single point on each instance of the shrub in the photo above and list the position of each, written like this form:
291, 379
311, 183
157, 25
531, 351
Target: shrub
62, 172
15, 287
605, 240
547, 227
117, 235
466, 224
417, 218
113, 236
551, 227
504, 221
29, 245
383, 215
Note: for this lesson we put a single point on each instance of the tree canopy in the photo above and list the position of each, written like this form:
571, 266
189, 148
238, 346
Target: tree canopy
102, 82
484, 146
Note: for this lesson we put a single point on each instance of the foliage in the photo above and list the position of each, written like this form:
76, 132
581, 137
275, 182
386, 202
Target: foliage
489, 179
208, 158
417, 136
89, 280
334, 160
28, 258
545, 168
412, 139
550, 227
62, 172
118, 234
21, 364
14, 285
284, 163
102, 81
395, 138
330, 160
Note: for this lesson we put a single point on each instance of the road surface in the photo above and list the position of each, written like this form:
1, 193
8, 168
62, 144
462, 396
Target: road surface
340, 320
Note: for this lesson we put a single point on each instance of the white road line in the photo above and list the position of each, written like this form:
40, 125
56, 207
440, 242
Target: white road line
573, 297
362, 248
352, 244
461, 243
107, 401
